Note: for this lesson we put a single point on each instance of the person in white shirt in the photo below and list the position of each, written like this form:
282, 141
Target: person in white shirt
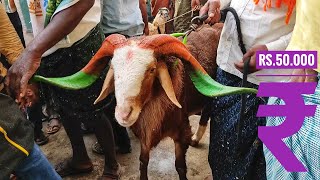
232, 155
66, 36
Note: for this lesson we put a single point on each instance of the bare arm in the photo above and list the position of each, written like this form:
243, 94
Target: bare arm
61, 25
143, 9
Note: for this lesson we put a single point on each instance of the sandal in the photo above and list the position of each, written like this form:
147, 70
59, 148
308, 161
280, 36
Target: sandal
85, 129
65, 169
41, 139
96, 148
53, 125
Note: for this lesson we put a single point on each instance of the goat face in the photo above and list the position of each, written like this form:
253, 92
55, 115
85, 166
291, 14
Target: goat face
134, 73
133, 70
164, 13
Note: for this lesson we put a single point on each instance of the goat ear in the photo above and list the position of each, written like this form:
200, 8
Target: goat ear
108, 86
166, 83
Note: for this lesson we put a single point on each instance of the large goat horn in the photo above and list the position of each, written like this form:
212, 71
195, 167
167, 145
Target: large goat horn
166, 83
170, 46
108, 86
90, 73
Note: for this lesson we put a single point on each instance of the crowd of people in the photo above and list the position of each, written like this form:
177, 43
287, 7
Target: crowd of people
58, 38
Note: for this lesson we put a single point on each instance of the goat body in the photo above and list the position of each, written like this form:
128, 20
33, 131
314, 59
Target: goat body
160, 118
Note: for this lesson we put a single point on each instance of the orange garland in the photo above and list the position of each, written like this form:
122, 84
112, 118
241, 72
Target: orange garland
290, 3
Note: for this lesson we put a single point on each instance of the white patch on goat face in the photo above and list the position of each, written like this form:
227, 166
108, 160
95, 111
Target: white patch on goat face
130, 64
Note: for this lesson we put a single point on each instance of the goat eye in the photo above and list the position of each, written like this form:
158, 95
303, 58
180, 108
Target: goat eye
152, 70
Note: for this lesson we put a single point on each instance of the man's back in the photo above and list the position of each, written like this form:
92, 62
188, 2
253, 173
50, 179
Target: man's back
121, 16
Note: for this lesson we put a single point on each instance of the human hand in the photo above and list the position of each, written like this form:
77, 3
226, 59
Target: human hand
212, 8
20, 73
146, 30
252, 55
195, 3
311, 75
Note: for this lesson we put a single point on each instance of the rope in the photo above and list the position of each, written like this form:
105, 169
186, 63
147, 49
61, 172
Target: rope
194, 9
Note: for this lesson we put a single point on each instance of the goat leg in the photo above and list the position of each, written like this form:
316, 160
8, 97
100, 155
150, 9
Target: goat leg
144, 160
203, 123
180, 152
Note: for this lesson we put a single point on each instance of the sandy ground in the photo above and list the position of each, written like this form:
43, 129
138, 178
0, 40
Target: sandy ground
161, 165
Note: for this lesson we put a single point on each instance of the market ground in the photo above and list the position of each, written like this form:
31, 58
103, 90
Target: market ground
161, 165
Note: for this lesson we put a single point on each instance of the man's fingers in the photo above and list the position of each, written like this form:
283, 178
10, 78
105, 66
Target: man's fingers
195, 3
204, 9
248, 55
312, 75
213, 7
23, 85
298, 78
239, 65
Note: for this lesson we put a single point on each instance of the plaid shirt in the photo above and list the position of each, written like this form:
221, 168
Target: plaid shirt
305, 144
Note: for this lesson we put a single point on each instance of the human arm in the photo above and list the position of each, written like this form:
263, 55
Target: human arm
279, 44
61, 25
143, 9
212, 8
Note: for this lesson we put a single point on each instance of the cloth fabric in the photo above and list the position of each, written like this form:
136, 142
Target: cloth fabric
67, 61
19, 130
230, 157
305, 34
121, 16
182, 23
305, 144
16, 22
37, 14
10, 44
258, 27
36, 167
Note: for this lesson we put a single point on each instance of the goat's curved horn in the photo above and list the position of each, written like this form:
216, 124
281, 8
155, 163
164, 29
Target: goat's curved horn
166, 83
90, 73
108, 86
170, 46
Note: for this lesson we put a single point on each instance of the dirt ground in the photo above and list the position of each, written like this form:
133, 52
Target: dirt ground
161, 165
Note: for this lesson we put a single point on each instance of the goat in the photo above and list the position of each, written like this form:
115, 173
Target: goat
150, 84
156, 5
151, 105
158, 24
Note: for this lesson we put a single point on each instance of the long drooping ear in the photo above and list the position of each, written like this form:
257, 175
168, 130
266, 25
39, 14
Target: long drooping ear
166, 83
90, 73
166, 45
108, 86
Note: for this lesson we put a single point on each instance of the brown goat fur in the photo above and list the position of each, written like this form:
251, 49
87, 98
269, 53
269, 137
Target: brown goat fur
159, 117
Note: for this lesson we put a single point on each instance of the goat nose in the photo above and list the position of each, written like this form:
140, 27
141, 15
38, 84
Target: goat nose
124, 112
